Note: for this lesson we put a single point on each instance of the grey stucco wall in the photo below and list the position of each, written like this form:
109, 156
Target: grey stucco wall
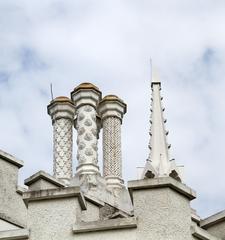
121, 234
218, 230
11, 203
41, 184
162, 214
91, 214
53, 218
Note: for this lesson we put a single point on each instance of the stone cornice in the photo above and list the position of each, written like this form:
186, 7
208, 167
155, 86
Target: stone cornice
161, 182
110, 224
212, 220
14, 234
43, 175
11, 159
55, 194
202, 234
11, 221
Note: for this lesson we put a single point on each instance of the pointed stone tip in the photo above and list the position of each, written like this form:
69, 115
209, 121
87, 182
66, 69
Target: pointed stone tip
155, 77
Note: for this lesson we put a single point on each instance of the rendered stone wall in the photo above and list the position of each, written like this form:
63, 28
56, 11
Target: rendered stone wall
218, 230
11, 203
7, 226
162, 214
91, 214
120, 234
53, 219
40, 185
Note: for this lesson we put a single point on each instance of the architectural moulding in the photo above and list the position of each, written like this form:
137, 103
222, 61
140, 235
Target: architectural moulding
11, 159
41, 175
200, 233
14, 234
111, 224
55, 194
162, 182
212, 220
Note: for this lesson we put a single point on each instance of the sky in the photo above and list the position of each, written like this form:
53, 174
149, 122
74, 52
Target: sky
110, 43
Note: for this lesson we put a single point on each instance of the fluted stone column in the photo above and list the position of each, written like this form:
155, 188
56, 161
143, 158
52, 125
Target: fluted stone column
62, 111
111, 110
86, 98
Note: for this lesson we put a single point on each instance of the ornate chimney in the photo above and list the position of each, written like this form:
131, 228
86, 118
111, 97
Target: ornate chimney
61, 110
111, 110
86, 98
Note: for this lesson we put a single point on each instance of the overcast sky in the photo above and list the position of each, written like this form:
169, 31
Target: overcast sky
109, 43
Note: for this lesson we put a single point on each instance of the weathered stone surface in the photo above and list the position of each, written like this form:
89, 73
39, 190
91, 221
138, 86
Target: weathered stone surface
119, 223
68, 192
14, 234
215, 224
53, 218
42, 180
162, 214
11, 159
200, 233
11, 203
5, 225
162, 182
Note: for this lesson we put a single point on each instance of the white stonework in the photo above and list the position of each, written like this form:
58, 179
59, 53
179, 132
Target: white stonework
112, 109
86, 98
156, 207
158, 163
62, 112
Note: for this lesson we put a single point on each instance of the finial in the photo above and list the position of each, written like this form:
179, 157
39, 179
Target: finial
158, 163
154, 76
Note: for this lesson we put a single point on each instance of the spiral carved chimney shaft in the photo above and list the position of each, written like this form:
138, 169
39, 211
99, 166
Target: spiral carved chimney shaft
111, 110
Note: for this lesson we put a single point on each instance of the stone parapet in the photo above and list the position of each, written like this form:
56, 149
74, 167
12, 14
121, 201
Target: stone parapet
110, 224
55, 194
162, 182
212, 220
14, 234
42, 180
11, 159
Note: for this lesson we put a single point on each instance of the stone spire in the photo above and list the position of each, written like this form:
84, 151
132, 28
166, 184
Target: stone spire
158, 163
62, 110
86, 98
111, 110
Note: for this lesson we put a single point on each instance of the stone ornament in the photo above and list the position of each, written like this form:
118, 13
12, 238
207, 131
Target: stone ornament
112, 109
62, 113
86, 98
158, 163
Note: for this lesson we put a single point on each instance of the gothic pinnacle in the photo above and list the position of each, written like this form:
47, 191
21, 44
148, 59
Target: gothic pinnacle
158, 163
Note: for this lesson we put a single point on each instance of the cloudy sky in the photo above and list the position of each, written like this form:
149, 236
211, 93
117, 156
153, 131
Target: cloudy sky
109, 43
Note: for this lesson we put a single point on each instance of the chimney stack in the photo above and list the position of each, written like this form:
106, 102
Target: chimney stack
62, 110
86, 98
111, 110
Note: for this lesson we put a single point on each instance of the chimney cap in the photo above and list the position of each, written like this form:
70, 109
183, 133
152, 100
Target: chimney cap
87, 85
61, 99
114, 98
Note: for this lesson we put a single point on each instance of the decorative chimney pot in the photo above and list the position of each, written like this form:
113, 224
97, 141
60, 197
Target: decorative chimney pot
62, 111
111, 110
86, 98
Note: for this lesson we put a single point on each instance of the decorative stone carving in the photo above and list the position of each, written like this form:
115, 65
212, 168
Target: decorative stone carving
86, 98
62, 113
112, 109
158, 163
